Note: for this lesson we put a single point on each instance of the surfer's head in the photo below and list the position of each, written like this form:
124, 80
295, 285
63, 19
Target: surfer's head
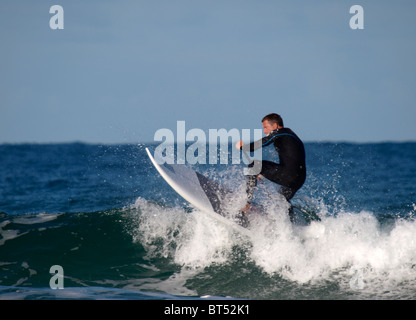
272, 122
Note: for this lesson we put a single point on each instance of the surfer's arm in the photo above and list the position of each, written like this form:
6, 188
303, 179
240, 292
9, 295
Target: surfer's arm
265, 141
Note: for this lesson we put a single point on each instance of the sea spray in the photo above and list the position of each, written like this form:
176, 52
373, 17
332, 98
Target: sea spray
75, 205
350, 249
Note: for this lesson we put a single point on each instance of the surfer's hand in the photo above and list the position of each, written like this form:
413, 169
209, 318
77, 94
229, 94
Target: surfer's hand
239, 144
259, 177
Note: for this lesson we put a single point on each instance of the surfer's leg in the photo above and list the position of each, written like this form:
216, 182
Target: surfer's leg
251, 178
251, 182
272, 171
288, 193
266, 168
242, 219
275, 173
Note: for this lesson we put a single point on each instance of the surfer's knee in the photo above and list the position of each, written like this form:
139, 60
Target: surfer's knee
287, 192
254, 168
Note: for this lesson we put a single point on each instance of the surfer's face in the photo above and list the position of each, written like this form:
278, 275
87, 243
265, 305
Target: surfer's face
268, 127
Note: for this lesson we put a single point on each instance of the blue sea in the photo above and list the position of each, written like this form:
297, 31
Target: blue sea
119, 231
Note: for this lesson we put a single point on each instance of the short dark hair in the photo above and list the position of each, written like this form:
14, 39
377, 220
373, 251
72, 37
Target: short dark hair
274, 118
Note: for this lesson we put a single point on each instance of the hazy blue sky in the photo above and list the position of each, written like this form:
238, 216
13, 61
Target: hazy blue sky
120, 70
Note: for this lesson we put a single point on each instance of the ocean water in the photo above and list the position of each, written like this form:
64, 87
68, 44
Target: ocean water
118, 231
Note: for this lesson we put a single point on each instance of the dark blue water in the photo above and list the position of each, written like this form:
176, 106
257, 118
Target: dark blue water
118, 231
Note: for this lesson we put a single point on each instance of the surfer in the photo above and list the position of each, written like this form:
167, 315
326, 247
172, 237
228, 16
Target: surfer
289, 173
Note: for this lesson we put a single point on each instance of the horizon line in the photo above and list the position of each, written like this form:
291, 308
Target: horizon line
340, 141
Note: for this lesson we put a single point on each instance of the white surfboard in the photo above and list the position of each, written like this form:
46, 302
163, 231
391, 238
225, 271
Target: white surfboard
203, 193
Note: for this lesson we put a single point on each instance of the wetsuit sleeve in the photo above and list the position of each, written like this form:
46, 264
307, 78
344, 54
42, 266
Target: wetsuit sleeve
265, 141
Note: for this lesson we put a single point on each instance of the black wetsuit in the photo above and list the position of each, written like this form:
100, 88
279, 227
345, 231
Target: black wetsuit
290, 173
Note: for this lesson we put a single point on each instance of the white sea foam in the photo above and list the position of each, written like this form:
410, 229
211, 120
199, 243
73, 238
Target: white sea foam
194, 240
351, 248
34, 219
342, 247
8, 234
